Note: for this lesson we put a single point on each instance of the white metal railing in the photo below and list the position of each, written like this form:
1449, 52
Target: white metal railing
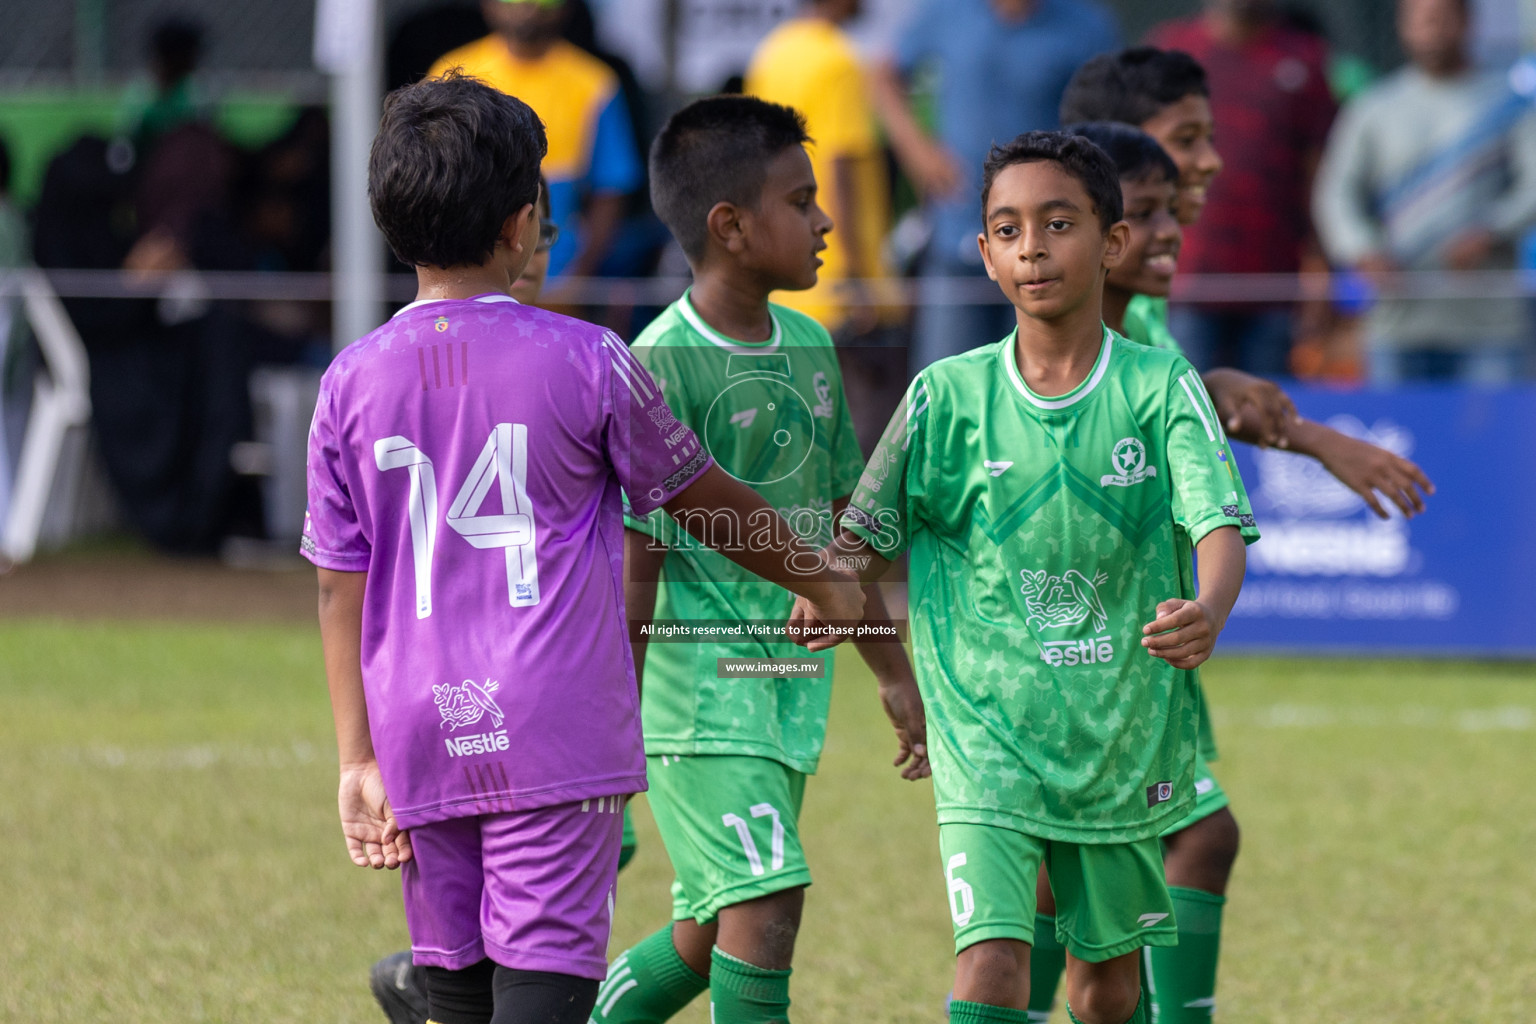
61, 402
977, 290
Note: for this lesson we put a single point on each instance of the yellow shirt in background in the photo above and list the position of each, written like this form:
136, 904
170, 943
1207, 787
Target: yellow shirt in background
812, 65
567, 87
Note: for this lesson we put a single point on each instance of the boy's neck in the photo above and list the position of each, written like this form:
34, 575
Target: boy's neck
436, 283
1055, 356
737, 309
1116, 302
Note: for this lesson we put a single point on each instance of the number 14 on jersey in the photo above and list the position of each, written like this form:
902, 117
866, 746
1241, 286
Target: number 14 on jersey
503, 461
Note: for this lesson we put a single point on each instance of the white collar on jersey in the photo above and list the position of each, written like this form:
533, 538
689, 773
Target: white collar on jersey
478, 298
1072, 397
685, 306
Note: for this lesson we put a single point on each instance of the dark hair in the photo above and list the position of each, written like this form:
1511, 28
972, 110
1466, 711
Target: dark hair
1131, 86
452, 161
1076, 155
716, 150
1137, 155
176, 43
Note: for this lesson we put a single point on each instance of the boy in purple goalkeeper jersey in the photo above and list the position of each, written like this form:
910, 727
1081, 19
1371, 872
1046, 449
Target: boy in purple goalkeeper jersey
465, 467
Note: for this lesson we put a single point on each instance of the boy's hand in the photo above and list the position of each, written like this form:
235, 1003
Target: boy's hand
1366, 469
373, 838
1183, 634
904, 707
1251, 409
841, 603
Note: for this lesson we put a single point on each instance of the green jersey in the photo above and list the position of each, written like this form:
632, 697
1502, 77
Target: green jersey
1146, 321
1043, 534
774, 416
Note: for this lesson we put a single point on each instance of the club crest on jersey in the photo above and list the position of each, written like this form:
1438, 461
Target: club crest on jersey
1061, 602
1129, 458
440, 324
823, 406
467, 703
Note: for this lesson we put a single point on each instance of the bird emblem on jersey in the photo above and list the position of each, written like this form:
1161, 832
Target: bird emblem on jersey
1129, 458
467, 703
1052, 602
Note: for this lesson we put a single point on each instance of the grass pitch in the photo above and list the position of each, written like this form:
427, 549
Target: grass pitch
167, 796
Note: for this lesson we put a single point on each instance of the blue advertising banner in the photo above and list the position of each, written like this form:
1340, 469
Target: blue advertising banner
1328, 576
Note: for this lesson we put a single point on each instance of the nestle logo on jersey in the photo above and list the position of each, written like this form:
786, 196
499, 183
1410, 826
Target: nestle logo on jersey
1097, 651
484, 743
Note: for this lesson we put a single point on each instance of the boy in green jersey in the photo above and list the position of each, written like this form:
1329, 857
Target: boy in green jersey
1164, 94
1051, 489
727, 758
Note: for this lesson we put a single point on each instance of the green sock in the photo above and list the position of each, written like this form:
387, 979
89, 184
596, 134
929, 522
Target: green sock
1183, 982
741, 993
1047, 960
1138, 1016
962, 1012
647, 984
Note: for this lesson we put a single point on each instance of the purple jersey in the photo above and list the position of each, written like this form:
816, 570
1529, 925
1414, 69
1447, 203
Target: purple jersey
468, 455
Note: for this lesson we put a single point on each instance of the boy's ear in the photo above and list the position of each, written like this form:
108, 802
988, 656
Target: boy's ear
986, 257
515, 228
1116, 241
724, 223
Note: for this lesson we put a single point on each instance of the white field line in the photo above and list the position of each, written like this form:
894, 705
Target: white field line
190, 757
1507, 718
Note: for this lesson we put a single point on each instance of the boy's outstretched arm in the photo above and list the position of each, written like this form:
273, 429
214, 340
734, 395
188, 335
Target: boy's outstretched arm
1258, 412
1251, 408
1364, 468
1184, 632
373, 839
887, 659
727, 515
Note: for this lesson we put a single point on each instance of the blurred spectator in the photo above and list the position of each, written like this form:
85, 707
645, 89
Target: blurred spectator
1271, 97
1002, 66
171, 95
680, 50
592, 165
809, 63
15, 353
416, 42
1433, 168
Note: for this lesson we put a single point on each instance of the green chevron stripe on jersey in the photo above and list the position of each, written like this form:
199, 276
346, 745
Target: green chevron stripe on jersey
1043, 533
773, 415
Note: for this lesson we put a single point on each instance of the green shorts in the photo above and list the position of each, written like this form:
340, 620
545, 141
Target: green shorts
1209, 798
731, 826
1111, 898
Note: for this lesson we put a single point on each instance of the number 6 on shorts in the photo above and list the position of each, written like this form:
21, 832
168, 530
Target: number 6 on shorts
962, 899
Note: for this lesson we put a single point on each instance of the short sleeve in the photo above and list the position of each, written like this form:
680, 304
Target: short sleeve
333, 537
615, 165
1207, 489
655, 456
847, 457
883, 509
656, 361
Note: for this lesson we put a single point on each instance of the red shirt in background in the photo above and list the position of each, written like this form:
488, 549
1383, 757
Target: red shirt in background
1272, 106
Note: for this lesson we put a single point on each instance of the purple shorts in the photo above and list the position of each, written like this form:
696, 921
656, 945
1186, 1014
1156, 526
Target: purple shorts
532, 890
